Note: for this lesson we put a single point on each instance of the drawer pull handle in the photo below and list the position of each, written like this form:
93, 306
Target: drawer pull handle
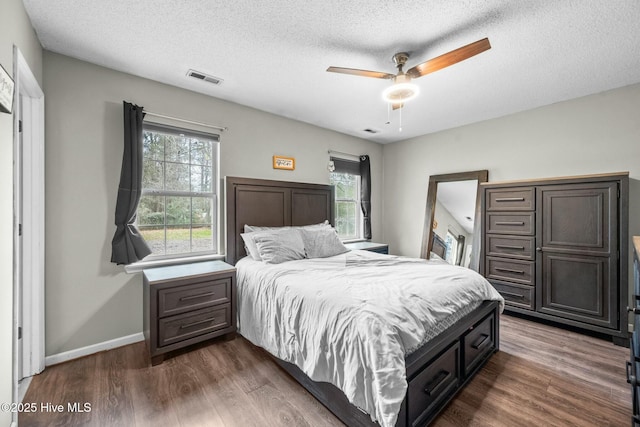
509, 270
481, 343
436, 382
631, 379
511, 294
510, 199
190, 297
199, 322
509, 222
520, 248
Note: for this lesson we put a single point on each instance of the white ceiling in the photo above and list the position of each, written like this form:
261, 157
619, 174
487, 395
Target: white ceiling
459, 198
273, 54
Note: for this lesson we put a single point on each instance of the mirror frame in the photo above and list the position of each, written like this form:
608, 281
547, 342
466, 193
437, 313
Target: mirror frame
427, 234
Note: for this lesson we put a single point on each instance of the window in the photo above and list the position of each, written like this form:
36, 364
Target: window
346, 179
452, 248
177, 214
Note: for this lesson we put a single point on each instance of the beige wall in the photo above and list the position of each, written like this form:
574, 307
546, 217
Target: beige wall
594, 134
88, 299
15, 29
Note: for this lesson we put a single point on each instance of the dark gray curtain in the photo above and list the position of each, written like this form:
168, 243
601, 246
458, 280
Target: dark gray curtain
365, 194
460, 249
127, 245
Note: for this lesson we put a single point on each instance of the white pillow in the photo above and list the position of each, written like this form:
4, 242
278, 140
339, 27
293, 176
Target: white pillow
250, 246
275, 247
322, 242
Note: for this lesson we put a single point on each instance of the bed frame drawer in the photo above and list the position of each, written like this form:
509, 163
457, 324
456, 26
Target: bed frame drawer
192, 297
511, 199
520, 247
435, 383
510, 270
521, 224
184, 326
516, 295
478, 343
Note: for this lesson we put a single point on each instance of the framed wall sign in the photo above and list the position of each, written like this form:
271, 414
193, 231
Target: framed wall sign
286, 163
6, 91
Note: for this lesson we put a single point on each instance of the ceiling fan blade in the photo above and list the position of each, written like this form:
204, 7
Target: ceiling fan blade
450, 58
362, 73
397, 106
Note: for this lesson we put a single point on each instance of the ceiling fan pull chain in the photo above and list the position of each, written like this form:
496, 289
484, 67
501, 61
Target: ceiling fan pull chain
400, 127
388, 114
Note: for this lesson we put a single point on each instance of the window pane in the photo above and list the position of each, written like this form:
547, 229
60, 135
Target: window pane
178, 239
177, 177
153, 175
201, 152
154, 236
346, 185
178, 210
201, 179
152, 146
201, 210
201, 238
346, 219
151, 210
176, 149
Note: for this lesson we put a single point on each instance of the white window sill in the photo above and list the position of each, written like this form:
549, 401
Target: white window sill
354, 240
141, 265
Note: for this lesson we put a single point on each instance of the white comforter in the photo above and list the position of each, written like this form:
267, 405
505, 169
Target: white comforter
350, 319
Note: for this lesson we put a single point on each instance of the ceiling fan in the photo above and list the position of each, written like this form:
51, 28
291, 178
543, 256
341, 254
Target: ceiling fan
402, 89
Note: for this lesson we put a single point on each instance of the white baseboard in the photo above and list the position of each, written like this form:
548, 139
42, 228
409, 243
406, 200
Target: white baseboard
54, 359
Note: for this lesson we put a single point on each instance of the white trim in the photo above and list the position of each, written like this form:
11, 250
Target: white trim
54, 359
28, 250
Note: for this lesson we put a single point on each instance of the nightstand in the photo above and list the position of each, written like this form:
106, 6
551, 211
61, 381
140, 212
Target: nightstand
187, 304
381, 248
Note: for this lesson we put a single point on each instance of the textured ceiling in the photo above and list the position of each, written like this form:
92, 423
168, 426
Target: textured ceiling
273, 54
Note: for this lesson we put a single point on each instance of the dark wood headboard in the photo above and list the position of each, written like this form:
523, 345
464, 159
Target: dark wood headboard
272, 204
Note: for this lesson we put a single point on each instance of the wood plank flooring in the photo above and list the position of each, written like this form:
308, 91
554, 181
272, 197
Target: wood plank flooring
542, 376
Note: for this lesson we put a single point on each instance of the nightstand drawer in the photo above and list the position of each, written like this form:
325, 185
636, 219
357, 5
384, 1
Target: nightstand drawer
184, 326
192, 297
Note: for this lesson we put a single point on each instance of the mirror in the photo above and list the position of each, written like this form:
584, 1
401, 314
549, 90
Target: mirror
452, 218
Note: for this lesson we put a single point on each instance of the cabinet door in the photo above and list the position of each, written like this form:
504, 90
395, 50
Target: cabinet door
577, 253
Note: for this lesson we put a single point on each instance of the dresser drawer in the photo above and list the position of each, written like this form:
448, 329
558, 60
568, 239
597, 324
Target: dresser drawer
479, 342
516, 295
510, 199
192, 297
434, 384
510, 270
184, 326
520, 247
510, 223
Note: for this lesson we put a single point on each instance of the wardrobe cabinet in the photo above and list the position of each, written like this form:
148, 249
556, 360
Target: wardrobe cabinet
556, 249
633, 365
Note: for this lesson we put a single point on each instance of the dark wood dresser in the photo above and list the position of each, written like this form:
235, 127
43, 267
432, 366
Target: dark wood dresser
187, 304
633, 365
381, 248
556, 249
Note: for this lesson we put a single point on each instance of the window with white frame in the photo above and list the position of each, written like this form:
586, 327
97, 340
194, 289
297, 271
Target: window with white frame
346, 179
178, 211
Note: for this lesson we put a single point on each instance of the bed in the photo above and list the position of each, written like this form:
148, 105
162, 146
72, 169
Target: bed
434, 372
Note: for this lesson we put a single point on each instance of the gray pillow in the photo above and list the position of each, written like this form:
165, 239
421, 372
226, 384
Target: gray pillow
322, 242
250, 228
279, 246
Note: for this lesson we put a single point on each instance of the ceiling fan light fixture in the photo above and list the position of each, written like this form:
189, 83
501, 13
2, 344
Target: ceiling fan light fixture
400, 92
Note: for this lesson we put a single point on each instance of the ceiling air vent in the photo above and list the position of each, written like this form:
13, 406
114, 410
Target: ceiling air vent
204, 77
369, 130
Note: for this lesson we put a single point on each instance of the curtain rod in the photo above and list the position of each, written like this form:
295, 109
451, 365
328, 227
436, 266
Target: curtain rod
343, 153
220, 128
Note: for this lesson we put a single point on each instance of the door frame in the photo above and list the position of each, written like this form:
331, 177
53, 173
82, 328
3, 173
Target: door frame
28, 251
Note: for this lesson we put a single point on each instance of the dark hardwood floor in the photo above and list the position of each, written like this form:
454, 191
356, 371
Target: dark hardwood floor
542, 376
